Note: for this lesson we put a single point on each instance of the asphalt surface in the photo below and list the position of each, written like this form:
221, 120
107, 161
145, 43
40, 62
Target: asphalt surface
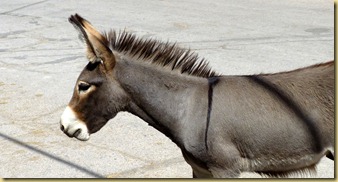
41, 57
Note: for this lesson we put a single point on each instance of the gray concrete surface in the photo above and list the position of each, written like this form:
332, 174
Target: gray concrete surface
41, 57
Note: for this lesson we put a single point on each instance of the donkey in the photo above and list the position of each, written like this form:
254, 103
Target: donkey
267, 123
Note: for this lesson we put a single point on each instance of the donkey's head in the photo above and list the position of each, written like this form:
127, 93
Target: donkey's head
97, 96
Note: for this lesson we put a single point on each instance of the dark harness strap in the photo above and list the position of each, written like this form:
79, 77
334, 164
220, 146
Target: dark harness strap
212, 81
296, 108
289, 102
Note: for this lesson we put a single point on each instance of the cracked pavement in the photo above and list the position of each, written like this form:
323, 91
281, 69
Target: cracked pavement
41, 57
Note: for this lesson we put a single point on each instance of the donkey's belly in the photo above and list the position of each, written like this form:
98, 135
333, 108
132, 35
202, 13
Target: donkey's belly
269, 148
283, 165
280, 156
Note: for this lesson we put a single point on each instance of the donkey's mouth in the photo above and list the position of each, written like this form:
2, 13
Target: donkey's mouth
72, 126
78, 134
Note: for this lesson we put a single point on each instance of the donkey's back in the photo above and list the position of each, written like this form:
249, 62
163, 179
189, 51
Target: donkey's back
274, 123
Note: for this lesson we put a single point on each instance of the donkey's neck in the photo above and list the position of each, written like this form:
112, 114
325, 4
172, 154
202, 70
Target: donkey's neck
159, 96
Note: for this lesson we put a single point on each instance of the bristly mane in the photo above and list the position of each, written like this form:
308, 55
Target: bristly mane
164, 54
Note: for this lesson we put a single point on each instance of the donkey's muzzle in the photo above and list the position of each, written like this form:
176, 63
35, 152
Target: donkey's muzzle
72, 126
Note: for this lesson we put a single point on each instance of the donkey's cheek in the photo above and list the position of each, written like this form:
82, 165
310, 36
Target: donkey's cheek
72, 126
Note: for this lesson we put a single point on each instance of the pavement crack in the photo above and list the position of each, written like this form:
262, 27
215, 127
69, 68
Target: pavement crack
263, 40
51, 156
60, 60
121, 152
23, 7
149, 167
57, 109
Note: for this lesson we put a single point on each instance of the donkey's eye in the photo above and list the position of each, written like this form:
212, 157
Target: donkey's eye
83, 86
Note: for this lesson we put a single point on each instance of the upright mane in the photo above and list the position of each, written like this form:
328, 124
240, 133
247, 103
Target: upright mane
164, 54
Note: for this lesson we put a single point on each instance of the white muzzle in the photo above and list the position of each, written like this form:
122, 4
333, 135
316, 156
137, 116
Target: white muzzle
72, 126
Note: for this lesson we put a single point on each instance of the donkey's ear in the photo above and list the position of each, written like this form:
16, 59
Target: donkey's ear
97, 45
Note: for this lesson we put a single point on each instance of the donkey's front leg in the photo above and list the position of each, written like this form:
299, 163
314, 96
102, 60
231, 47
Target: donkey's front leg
194, 175
226, 160
200, 174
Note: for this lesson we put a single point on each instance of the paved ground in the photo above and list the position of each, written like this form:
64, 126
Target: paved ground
41, 57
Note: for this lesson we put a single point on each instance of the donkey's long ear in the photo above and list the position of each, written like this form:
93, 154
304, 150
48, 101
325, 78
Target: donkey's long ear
97, 45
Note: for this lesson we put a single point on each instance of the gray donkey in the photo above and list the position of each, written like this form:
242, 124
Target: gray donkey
269, 123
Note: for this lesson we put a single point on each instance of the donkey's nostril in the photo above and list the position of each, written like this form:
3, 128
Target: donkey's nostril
62, 127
